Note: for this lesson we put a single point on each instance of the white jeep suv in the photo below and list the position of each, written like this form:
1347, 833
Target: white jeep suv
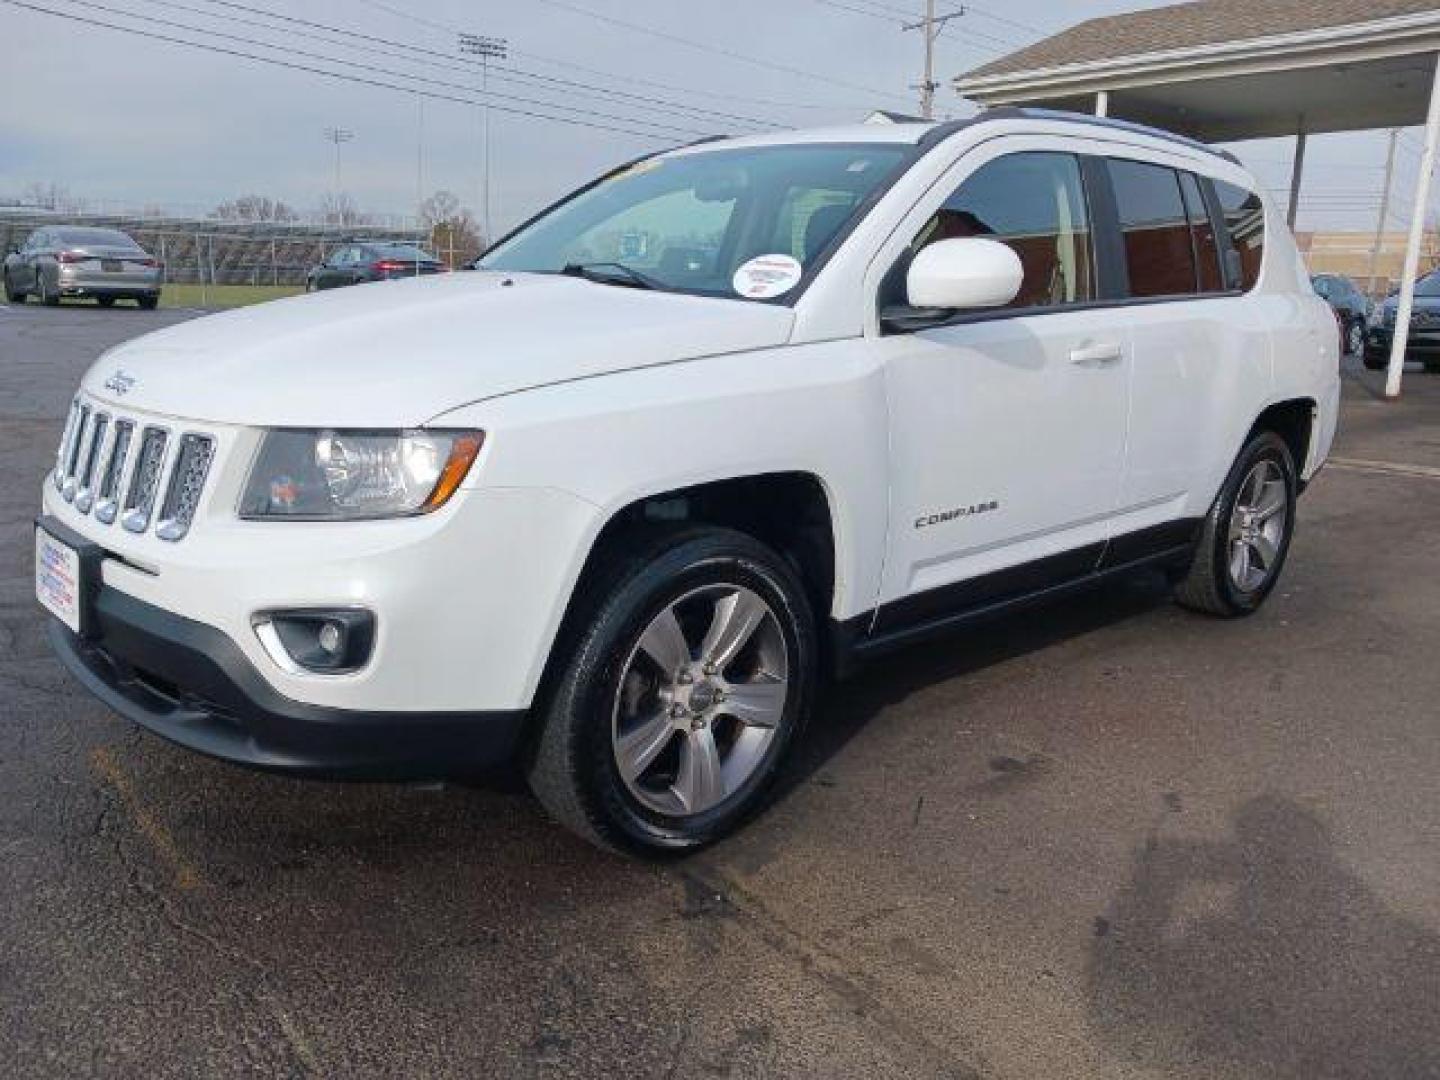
727, 418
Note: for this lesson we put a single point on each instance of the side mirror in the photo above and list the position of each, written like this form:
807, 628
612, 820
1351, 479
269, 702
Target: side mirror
964, 274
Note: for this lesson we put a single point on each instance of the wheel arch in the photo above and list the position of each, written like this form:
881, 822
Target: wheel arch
792, 512
1293, 419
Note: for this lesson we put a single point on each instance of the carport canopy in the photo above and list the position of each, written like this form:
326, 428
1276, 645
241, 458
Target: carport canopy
1231, 70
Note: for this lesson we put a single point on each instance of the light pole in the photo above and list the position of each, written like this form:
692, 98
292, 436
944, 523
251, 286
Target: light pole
337, 136
487, 49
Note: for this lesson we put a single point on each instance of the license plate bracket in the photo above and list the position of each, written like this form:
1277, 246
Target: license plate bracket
111, 266
67, 575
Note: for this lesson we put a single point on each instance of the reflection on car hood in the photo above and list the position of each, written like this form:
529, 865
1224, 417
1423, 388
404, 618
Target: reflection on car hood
400, 353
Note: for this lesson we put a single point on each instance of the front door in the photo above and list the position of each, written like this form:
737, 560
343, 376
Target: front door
1007, 428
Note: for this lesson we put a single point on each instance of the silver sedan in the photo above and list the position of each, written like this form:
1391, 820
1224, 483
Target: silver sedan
63, 260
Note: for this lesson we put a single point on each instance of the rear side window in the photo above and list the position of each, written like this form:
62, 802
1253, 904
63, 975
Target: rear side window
1159, 249
1035, 204
1202, 236
1245, 222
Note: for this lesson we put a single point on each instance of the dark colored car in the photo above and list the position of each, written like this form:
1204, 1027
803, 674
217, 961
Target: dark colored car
1350, 304
1424, 341
359, 261
86, 263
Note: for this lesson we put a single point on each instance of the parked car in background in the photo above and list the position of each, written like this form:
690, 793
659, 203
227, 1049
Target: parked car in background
60, 261
611, 511
358, 261
1424, 341
1351, 306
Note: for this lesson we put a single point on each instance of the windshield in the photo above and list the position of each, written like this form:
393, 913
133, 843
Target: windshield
737, 223
1429, 285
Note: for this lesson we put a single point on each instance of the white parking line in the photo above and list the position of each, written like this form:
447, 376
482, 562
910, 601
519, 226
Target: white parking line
1423, 472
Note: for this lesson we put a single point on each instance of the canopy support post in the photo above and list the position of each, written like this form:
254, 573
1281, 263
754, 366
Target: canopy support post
1102, 103
1412, 247
1297, 171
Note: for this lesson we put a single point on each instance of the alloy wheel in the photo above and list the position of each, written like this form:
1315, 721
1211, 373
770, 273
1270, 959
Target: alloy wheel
1257, 526
700, 699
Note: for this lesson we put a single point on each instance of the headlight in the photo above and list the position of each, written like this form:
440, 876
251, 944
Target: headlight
347, 475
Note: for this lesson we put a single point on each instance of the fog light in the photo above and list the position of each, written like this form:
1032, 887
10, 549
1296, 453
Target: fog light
324, 642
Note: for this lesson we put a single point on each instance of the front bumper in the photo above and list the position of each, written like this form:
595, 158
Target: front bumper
191, 684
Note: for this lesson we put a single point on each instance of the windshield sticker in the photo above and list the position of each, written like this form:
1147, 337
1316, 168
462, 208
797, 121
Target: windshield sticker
767, 275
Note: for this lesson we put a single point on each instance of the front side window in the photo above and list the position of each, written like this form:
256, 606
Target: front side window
1034, 203
1245, 221
709, 221
1156, 228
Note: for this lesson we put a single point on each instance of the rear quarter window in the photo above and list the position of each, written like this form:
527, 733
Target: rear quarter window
1245, 222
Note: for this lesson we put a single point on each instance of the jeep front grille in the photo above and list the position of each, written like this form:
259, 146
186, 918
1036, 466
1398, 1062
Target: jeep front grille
127, 469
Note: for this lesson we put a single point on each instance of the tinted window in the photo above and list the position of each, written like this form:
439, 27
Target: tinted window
1429, 285
107, 237
406, 252
1245, 221
1158, 248
1202, 235
1034, 203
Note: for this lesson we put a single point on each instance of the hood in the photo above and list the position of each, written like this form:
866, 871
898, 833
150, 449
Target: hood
398, 353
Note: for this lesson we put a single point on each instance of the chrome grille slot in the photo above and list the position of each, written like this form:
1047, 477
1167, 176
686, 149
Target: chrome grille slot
145, 482
114, 472
66, 439
85, 492
187, 480
72, 453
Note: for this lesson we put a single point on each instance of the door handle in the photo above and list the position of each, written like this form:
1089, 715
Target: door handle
1101, 355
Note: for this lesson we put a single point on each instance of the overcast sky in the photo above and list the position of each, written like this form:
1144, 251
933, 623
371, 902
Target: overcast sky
127, 121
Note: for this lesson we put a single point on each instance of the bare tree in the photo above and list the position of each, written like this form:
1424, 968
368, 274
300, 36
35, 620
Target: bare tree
341, 211
255, 208
52, 196
453, 231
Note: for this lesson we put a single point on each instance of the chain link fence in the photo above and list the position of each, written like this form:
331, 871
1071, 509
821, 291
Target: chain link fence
205, 251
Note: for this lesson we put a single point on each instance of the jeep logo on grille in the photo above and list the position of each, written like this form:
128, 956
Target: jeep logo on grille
120, 382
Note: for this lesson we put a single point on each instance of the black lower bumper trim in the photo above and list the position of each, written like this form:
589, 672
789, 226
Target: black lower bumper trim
191, 684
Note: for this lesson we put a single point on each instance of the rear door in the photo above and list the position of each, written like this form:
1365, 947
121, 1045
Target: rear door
1201, 352
1007, 427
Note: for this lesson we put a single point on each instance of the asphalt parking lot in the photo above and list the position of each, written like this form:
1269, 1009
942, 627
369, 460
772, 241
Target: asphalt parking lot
1108, 839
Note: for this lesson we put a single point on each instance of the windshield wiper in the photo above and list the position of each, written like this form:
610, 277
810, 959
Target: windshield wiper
611, 273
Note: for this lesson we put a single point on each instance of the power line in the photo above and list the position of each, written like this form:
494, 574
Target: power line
341, 76
669, 128
612, 76
433, 55
705, 46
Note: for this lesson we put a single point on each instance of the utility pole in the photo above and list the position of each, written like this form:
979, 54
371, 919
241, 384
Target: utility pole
487, 49
931, 25
1384, 212
337, 136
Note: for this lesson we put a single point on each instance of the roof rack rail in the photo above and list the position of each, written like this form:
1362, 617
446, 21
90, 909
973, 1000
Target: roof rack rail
1019, 112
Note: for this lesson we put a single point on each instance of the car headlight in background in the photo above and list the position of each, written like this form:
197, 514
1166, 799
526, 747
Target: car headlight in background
328, 475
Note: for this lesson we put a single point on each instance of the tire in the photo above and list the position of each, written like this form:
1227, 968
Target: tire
46, 297
1217, 583
12, 294
148, 303
1375, 361
1432, 367
105, 301
606, 689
